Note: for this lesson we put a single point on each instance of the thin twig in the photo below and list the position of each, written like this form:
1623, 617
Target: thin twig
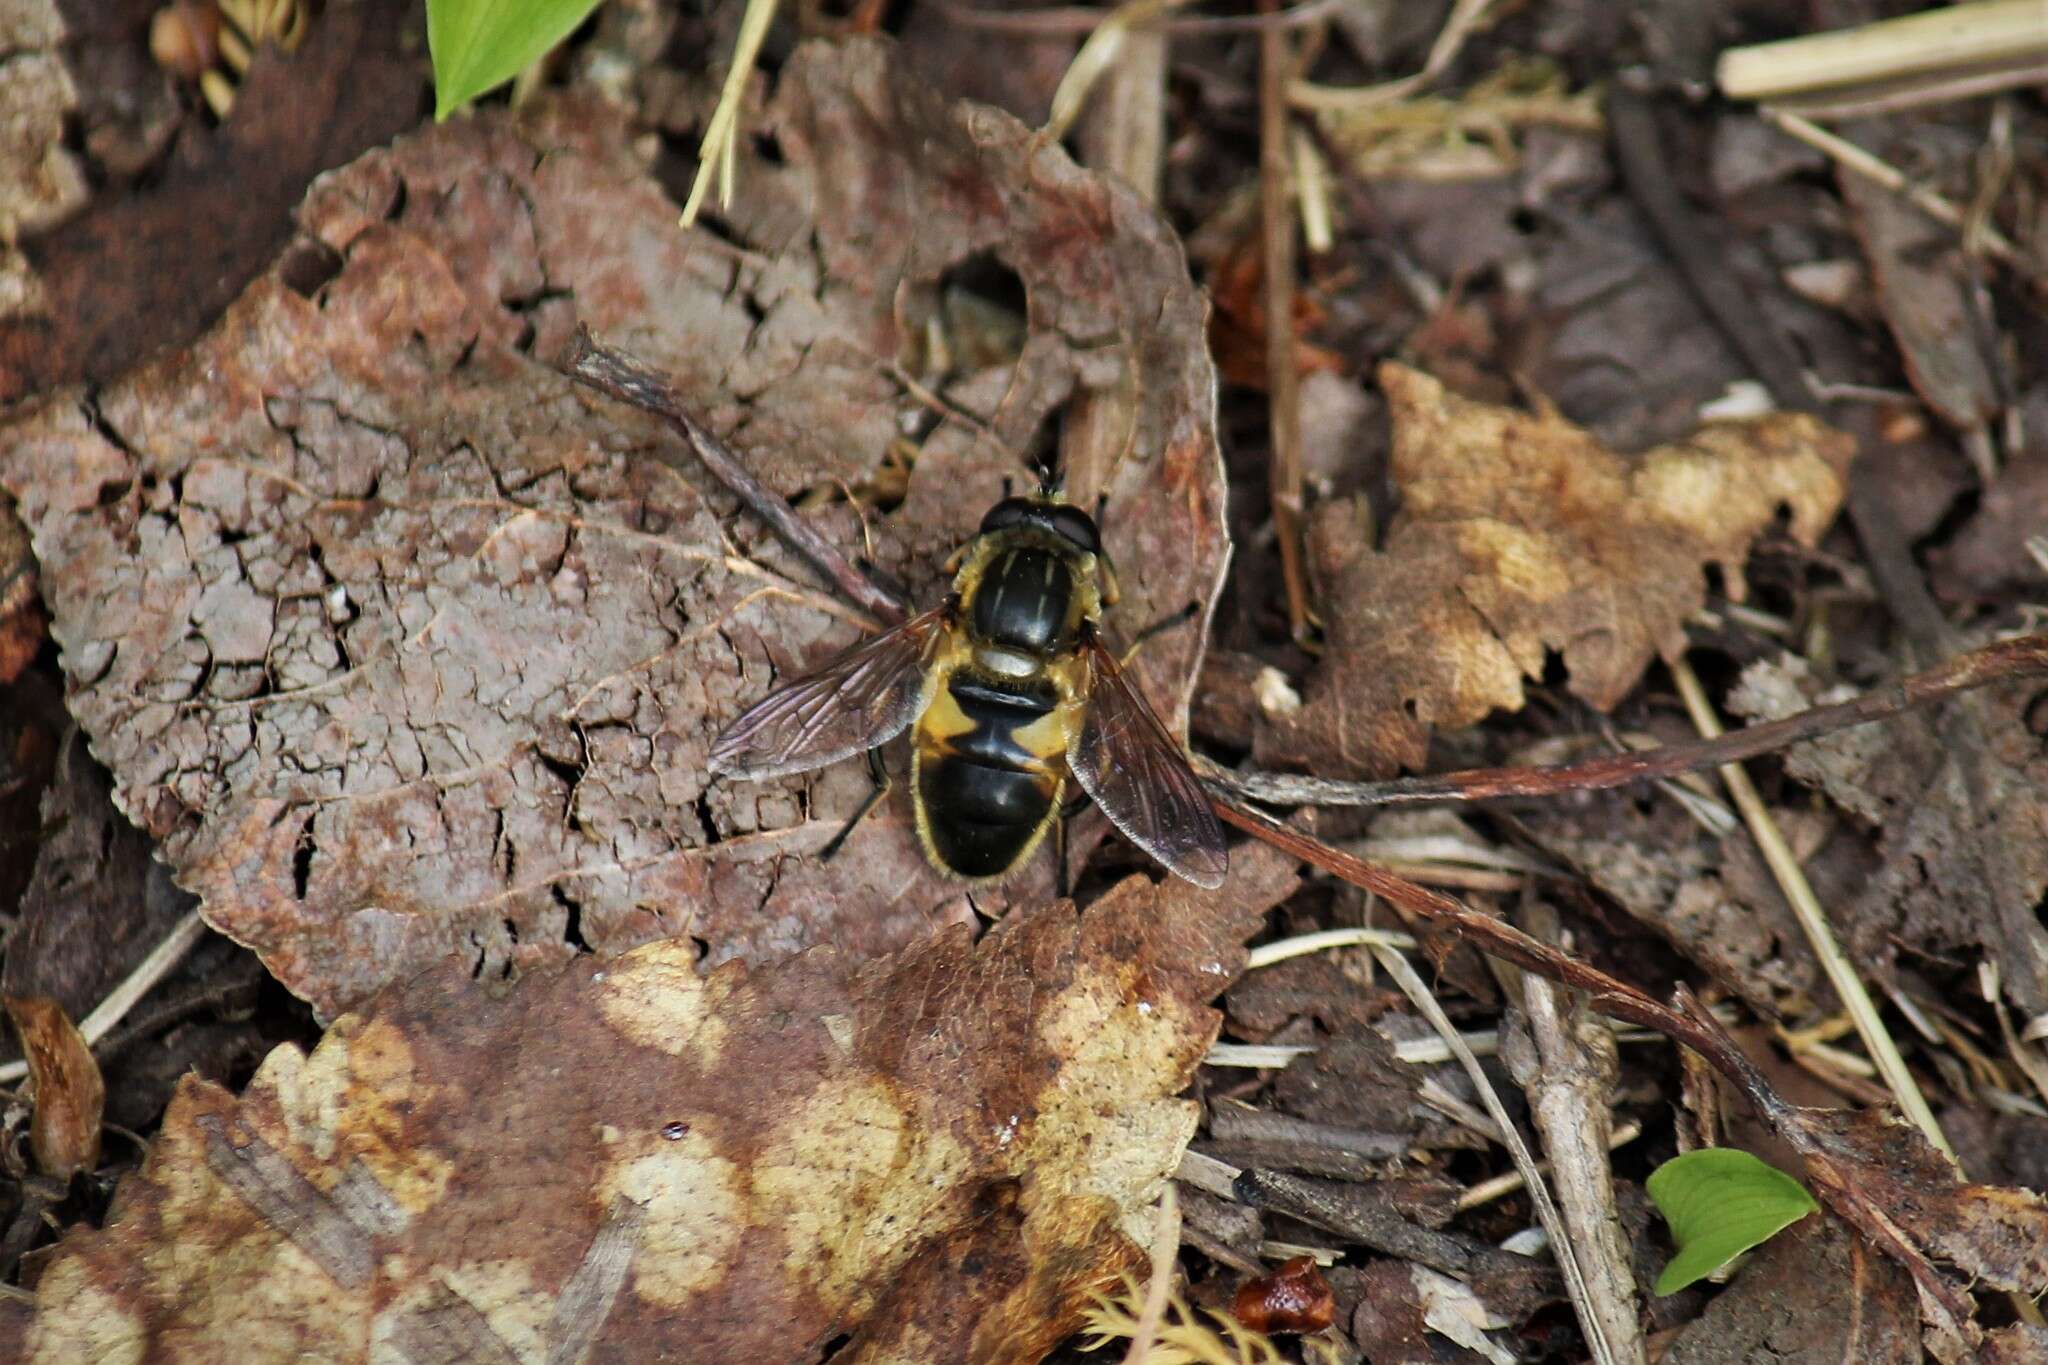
1507, 1182
167, 954
1208, 1174
2003, 661
1943, 39
1568, 1077
1283, 376
618, 376
1561, 1244
1806, 908
1070, 20
1465, 19
1165, 1247
1221, 1252
1994, 243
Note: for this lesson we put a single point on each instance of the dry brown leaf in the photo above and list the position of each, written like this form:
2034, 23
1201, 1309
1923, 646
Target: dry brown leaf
1519, 535
64, 1134
1613, 334
1907, 1199
97, 903
149, 266
1923, 285
1989, 558
1814, 1292
1712, 897
1950, 873
401, 646
938, 1153
1238, 330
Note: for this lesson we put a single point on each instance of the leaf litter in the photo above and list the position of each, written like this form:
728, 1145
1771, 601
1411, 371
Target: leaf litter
402, 418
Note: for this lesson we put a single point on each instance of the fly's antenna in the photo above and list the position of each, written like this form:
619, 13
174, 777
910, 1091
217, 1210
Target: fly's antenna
1045, 455
1052, 476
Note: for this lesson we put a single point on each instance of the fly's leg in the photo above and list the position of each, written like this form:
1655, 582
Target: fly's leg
874, 796
1159, 627
1062, 886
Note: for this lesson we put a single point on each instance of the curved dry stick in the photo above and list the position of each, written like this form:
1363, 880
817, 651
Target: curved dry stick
2024, 657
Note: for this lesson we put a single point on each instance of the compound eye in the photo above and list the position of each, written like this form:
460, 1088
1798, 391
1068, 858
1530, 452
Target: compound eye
1077, 526
1009, 512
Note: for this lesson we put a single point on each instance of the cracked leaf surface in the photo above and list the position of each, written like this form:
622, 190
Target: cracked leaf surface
402, 646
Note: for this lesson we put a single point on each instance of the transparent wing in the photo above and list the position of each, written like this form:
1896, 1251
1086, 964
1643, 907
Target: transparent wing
1125, 759
863, 698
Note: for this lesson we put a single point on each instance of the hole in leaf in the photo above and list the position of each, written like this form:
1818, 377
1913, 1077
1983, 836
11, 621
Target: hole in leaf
572, 921
307, 266
302, 858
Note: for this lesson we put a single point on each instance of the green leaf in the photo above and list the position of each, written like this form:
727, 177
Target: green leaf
478, 44
1720, 1202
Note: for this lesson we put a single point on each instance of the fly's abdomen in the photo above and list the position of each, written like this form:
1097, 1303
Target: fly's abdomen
985, 788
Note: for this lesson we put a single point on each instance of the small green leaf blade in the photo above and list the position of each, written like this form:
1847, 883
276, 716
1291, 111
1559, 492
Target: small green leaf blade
1720, 1202
479, 44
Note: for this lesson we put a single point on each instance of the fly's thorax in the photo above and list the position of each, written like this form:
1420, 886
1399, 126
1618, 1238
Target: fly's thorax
1025, 596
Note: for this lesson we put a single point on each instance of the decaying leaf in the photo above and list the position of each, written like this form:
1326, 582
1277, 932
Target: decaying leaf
1906, 1198
1923, 288
1402, 1309
96, 904
400, 645
940, 1153
1518, 535
153, 267
1712, 897
1989, 557
1951, 872
64, 1134
1815, 1292
1616, 338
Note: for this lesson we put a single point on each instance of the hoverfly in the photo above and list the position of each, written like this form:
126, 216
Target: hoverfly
1012, 691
